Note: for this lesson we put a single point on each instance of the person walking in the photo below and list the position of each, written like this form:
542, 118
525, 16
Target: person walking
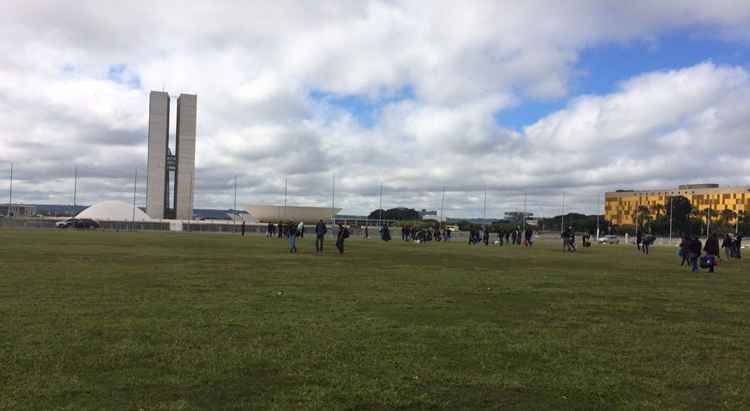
291, 232
684, 249
385, 233
320, 234
527, 237
367, 233
726, 244
694, 252
569, 239
638, 239
712, 245
737, 246
342, 235
486, 235
242, 229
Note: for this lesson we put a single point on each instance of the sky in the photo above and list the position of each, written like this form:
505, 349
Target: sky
543, 105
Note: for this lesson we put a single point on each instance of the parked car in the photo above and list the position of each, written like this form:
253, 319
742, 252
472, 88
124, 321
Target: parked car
65, 223
77, 223
86, 223
609, 239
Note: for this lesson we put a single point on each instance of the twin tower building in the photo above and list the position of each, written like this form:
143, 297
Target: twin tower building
168, 172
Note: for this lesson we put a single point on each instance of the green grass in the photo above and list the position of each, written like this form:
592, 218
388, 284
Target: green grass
101, 320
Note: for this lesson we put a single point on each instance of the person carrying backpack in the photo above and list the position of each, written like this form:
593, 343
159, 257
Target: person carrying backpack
343, 234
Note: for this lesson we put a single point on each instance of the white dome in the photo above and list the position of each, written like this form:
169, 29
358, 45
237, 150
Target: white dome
113, 211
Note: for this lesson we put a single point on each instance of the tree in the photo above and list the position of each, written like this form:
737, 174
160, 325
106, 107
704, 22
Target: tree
399, 213
680, 213
659, 209
726, 216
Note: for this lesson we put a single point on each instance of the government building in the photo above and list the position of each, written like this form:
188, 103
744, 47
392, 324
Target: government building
620, 206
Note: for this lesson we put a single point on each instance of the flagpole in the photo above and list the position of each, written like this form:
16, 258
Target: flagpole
562, 217
598, 209
10, 190
484, 207
333, 198
671, 208
135, 190
380, 222
442, 206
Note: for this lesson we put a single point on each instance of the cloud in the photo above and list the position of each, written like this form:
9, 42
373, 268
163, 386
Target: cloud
74, 81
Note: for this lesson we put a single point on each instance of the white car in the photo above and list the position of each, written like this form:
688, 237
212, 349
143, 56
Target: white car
609, 239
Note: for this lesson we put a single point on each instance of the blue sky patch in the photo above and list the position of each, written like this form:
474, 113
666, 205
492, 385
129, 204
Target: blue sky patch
601, 70
119, 73
363, 108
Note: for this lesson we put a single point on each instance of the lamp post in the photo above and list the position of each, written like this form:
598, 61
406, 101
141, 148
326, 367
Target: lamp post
10, 190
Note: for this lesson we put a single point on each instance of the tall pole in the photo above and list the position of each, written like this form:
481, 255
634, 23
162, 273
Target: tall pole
736, 222
442, 207
562, 217
523, 225
135, 190
380, 207
285, 188
75, 188
234, 209
598, 209
670, 219
333, 198
10, 190
484, 206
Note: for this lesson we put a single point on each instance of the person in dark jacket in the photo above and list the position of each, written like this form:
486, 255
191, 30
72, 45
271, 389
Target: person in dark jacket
320, 234
342, 235
486, 236
243, 228
684, 249
726, 244
647, 242
569, 239
639, 239
291, 232
712, 250
694, 252
385, 233
712, 245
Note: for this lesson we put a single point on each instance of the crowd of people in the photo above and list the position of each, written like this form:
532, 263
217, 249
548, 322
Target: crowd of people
694, 253
698, 255
425, 234
516, 236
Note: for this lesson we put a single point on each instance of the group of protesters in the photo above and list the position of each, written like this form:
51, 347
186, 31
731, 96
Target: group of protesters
292, 231
510, 237
425, 234
695, 254
644, 243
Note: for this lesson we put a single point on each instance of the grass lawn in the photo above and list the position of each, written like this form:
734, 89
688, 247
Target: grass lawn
103, 320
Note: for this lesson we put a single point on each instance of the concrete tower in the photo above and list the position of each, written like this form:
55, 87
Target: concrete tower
185, 151
161, 162
158, 140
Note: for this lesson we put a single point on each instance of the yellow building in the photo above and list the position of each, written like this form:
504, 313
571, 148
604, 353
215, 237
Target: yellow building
620, 206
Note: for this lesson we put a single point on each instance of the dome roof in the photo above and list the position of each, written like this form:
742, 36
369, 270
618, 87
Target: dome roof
113, 211
309, 215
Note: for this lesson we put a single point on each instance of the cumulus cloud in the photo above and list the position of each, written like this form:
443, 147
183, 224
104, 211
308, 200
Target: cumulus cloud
75, 77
